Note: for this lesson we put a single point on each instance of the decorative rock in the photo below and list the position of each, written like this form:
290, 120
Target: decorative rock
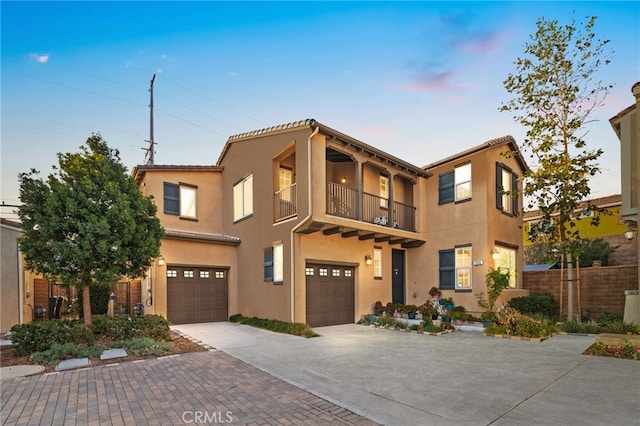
70, 364
113, 353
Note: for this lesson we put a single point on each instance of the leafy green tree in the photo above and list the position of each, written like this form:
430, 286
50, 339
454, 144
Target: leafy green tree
87, 224
555, 93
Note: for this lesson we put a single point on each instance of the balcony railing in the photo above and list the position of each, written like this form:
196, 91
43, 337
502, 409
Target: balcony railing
285, 203
348, 202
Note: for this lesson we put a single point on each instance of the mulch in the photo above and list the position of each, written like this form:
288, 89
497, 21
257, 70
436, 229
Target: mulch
180, 345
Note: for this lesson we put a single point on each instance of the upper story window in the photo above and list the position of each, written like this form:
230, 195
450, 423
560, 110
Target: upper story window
243, 198
285, 180
180, 199
455, 268
506, 189
455, 185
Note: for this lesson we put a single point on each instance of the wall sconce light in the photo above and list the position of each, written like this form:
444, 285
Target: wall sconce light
343, 180
368, 260
629, 234
160, 260
495, 253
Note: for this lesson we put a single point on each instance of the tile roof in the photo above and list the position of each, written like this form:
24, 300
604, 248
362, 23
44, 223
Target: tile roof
201, 236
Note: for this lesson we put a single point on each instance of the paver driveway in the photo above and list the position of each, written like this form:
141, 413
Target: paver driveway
197, 388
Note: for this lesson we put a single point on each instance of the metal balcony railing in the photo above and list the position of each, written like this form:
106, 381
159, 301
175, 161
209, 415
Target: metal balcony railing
285, 203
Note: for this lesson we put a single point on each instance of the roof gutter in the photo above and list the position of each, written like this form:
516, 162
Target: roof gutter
302, 223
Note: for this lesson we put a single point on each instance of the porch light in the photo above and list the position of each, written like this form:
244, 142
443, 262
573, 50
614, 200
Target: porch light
629, 234
343, 180
160, 260
368, 260
495, 253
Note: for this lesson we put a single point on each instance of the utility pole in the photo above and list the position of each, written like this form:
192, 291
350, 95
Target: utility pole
151, 149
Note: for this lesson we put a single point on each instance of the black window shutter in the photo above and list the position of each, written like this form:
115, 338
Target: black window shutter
268, 264
514, 194
447, 269
446, 188
171, 198
499, 205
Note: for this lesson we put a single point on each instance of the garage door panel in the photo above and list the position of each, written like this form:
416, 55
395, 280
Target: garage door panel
330, 295
196, 294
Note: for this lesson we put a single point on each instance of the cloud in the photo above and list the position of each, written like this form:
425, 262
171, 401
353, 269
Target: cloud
43, 59
479, 43
432, 81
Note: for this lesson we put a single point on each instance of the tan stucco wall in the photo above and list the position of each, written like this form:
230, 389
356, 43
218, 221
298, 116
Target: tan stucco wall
209, 204
476, 222
335, 249
178, 252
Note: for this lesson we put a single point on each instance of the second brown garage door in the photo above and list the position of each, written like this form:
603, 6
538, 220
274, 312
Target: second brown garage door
330, 294
196, 294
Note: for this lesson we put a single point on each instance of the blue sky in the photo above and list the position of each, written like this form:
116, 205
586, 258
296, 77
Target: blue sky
419, 80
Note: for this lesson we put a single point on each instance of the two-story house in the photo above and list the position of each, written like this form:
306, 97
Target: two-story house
303, 223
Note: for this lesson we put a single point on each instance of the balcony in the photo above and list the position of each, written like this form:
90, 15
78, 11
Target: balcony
285, 203
350, 203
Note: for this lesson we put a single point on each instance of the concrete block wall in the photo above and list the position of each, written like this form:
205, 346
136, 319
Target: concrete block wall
601, 288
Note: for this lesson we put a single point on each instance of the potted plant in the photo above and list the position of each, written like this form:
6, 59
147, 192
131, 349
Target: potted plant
488, 317
458, 315
429, 310
389, 310
378, 309
411, 310
398, 310
435, 293
448, 303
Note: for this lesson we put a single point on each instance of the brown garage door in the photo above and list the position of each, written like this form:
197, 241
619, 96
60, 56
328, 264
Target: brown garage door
196, 294
330, 294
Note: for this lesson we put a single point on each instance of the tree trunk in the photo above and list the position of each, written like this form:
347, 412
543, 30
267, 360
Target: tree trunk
570, 314
86, 304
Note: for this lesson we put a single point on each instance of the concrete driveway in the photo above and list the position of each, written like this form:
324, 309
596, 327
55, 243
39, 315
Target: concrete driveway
463, 378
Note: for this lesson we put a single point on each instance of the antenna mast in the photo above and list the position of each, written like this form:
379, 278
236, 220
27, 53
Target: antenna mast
151, 149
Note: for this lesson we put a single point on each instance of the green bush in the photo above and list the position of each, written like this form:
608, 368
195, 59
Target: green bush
296, 329
609, 317
61, 351
153, 326
119, 327
518, 324
39, 336
99, 299
619, 327
535, 303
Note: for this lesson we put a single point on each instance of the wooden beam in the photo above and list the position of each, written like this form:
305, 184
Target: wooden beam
331, 231
367, 236
349, 234
397, 241
382, 238
413, 244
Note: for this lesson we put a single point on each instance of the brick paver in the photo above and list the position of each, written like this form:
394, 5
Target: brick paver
197, 388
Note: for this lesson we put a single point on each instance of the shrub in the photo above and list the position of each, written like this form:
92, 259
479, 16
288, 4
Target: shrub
99, 299
517, 324
535, 303
368, 320
619, 327
39, 336
297, 329
433, 329
154, 326
119, 327
609, 317
61, 351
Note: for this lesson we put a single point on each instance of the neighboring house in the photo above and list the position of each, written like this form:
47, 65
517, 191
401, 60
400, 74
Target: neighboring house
197, 278
11, 279
611, 227
626, 125
303, 223
473, 222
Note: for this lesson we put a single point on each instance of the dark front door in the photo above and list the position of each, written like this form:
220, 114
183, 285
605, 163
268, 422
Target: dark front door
397, 276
